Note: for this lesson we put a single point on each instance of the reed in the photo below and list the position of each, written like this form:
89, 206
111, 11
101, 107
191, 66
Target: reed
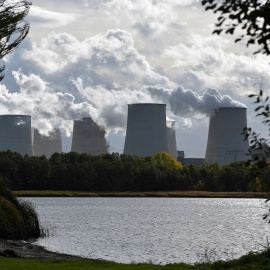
18, 218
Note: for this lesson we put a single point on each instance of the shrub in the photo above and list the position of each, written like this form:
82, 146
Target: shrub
18, 218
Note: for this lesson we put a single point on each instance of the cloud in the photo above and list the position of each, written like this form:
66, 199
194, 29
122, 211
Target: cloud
151, 19
202, 62
47, 107
185, 102
43, 18
33, 85
109, 59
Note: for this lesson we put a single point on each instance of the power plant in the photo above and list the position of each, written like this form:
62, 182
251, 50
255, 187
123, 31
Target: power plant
146, 131
226, 142
15, 134
146, 134
172, 139
47, 145
88, 137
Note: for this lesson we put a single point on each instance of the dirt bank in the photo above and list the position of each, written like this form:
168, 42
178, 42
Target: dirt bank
23, 249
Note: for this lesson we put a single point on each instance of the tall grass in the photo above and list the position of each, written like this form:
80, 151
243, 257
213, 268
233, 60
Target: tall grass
18, 218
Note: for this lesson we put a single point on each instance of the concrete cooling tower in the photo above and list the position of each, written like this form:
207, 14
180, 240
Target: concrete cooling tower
88, 137
47, 145
146, 132
225, 140
15, 134
172, 139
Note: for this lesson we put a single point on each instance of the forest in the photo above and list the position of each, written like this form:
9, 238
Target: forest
120, 172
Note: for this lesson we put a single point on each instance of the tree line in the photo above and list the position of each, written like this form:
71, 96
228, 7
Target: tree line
120, 172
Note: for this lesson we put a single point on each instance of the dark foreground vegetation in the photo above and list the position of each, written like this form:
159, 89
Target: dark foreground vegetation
119, 172
251, 261
17, 218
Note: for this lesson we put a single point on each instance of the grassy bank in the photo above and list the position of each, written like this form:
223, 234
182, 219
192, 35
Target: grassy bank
172, 194
250, 261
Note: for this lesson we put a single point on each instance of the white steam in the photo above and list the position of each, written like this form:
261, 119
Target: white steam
187, 102
65, 79
50, 108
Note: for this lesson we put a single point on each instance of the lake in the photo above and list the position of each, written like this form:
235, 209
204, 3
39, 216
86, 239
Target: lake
157, 230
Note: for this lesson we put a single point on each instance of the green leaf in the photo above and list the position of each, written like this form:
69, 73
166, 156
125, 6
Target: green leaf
218, 31
258, 108
238, 39
230, 30
251, 41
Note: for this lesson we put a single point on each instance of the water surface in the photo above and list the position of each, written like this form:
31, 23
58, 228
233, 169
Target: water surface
158, 230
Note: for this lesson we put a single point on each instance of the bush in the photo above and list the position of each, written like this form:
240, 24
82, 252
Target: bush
18, 219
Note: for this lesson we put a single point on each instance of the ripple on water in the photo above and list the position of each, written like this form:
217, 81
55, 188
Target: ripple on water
160, 230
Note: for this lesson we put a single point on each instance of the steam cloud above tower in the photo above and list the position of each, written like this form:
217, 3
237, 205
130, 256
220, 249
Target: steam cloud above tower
107, 107
64, 79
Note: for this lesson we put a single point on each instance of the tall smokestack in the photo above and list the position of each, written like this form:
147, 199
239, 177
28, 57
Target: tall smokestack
47, 145
226, 142
88, 137
15, 134
172, 139
146, 132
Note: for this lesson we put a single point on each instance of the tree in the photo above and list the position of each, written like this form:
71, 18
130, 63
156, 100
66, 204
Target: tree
251, 15
13, 27
164, 160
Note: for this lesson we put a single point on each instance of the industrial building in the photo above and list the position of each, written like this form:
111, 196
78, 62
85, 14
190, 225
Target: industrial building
187, 161
171, 138
47, 145
146, 132
88, 137
226, 142
15, 134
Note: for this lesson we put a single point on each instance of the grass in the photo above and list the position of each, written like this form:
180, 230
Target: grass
172, 194
21, 264
252, 261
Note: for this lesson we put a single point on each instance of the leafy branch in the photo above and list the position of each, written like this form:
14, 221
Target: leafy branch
251, 15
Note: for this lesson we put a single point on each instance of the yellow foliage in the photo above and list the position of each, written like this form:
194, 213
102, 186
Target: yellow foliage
11, 211
258, 184
165, 159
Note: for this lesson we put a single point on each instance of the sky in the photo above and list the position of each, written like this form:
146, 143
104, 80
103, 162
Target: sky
93, 57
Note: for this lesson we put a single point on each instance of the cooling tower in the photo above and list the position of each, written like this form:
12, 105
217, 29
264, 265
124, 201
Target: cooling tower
172, 139
225, 140
47, 145
88, 137
146, 132
15, 134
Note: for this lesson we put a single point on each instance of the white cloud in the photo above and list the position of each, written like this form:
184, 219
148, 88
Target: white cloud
47, 107
41, 17
204, 62
109, 59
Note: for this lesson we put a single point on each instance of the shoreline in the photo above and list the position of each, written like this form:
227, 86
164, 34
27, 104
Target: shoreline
43, 259
27, 250
158, 194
